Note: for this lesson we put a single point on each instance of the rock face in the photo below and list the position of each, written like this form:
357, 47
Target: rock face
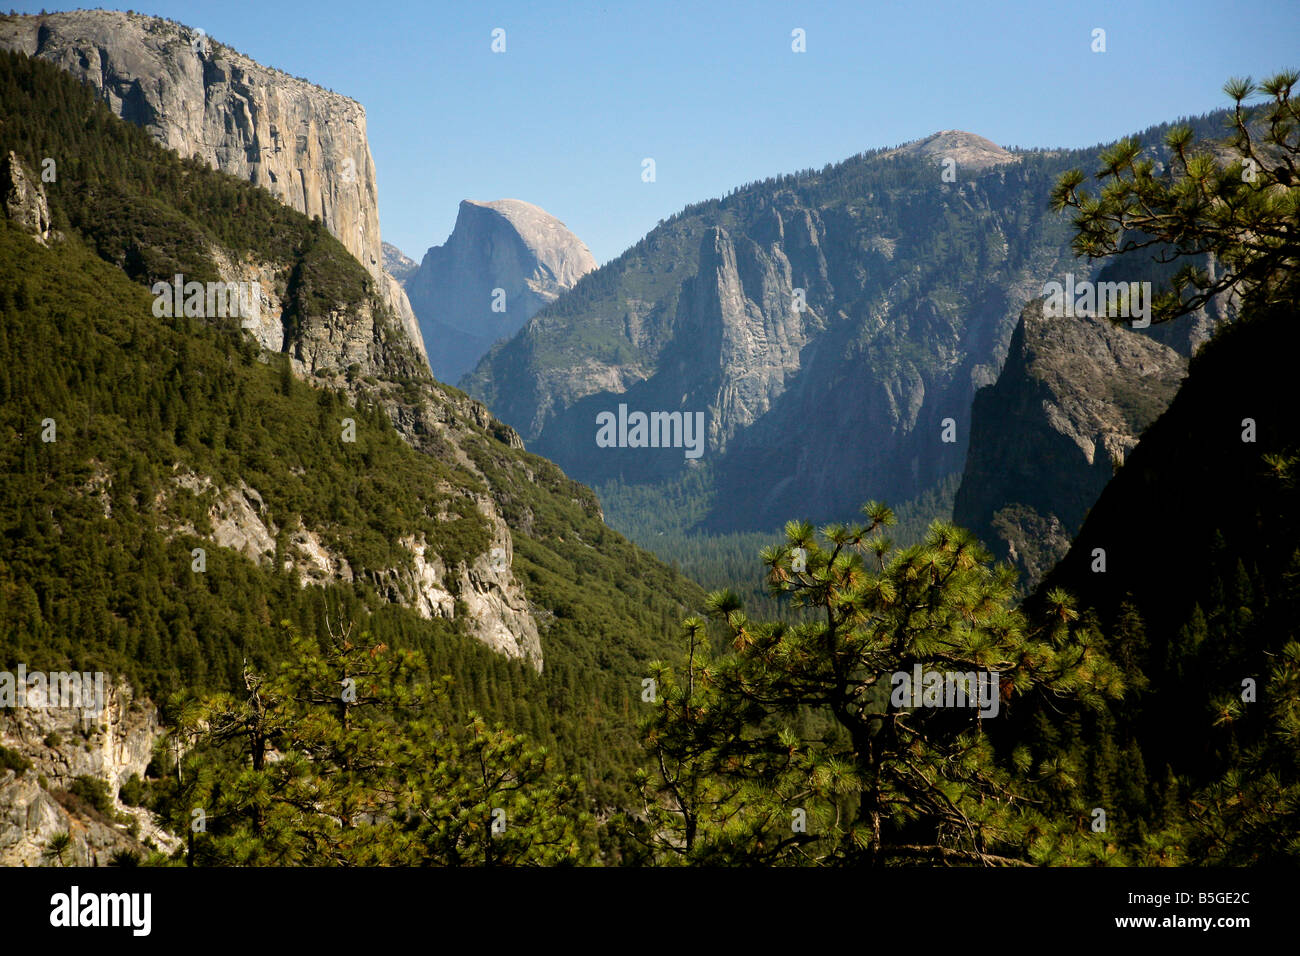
1069, 407
305, 145
507, 245
62, 744
394, 297
1189, 332
747, 285
735, 311
966, 150
358, 334
308, 147
114, 744
24, 198
494, 605
815, 321
398, 264
832, 326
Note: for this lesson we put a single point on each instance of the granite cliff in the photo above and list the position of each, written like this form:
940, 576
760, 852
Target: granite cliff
24, 197
48, 751
305, 145
1068, 408
503, 262
833, 327
398, 264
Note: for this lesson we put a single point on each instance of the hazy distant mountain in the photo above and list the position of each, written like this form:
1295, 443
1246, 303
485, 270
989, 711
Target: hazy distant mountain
832, 326
503, 261
398, 264
304, 453
825, 323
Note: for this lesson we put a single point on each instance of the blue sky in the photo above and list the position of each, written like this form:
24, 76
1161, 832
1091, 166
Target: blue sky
713, 92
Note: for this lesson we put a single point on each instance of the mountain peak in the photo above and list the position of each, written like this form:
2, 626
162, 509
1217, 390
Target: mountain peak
505, 260
304, 144
510, 207
544, 235
397, 263
969, 150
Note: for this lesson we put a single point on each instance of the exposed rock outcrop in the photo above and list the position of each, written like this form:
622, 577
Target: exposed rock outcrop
1070, 405
495, 608
62, 745
398, 264
24, 198
305, 145
238, 522
113, 744
507, 245
395, 298
493, 603
966, 150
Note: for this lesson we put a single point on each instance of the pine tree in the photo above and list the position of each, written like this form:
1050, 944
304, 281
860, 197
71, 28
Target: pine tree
879, 780
1251, 815
344, 757
1230, 783
1242, 210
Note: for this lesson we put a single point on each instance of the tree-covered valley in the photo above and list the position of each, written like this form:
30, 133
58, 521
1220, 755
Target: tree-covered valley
350, 615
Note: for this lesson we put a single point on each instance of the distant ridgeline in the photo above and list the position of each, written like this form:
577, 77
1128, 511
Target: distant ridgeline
831, 326
175, 487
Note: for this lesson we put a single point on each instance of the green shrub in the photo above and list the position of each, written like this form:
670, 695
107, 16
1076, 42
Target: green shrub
94, 792
133, 792
12, 760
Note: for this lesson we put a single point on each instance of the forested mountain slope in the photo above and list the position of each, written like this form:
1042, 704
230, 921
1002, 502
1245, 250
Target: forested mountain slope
831, 326
134, 438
